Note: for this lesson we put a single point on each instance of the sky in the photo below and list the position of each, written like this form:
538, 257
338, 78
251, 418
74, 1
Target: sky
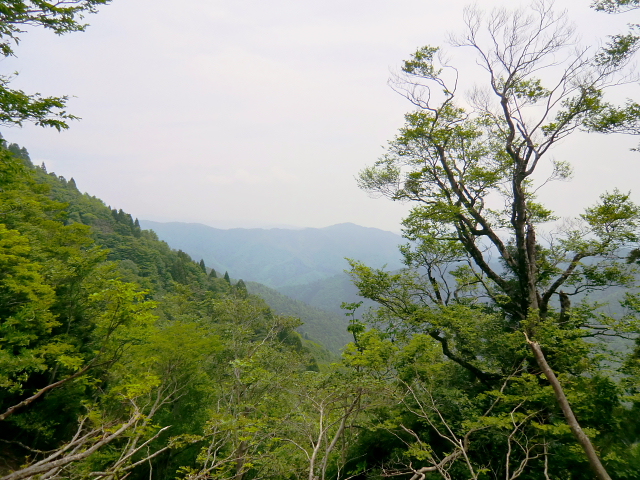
249, 113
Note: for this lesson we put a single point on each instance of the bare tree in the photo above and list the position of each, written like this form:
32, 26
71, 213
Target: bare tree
324, 408
91, 436
523, 445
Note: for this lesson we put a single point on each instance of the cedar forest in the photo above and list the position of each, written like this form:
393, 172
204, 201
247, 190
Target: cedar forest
121, 358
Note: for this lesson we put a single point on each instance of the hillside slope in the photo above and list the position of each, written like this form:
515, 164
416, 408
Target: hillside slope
328, 328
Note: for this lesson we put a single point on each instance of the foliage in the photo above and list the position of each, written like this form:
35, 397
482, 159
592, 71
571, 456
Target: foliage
326, 328
120, 357
469, 164
120, 352
17, 107
616, 6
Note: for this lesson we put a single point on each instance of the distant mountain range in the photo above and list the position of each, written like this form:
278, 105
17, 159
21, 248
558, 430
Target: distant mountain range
305, 266
280, 257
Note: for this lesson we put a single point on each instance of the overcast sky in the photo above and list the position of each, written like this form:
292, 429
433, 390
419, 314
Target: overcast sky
249, 113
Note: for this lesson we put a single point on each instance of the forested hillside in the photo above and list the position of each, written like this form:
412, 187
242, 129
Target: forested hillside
114, 343
106, 329
328, 328
307, 265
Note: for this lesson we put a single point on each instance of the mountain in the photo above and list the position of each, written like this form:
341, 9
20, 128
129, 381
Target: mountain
281, 257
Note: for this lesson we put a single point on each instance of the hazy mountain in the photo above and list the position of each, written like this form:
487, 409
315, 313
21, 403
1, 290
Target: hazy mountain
281, 257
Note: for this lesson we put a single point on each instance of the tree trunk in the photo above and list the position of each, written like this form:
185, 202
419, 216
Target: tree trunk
561, 398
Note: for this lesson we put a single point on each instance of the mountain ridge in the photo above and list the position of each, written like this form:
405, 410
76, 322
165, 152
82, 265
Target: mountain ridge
279, 257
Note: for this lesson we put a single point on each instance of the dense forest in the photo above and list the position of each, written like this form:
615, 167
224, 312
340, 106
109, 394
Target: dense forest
107, 331
490, 354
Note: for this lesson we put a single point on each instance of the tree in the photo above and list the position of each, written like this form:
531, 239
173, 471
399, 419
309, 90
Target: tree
60, 16
241, 288
96, 433
323, 411
616, 6
227, 278
469, 164
251, 379
65, 319
620, 47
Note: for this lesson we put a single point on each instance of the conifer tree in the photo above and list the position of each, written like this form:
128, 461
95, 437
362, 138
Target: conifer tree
18, 151
137, 231
202, 266
240, 289
226, 277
